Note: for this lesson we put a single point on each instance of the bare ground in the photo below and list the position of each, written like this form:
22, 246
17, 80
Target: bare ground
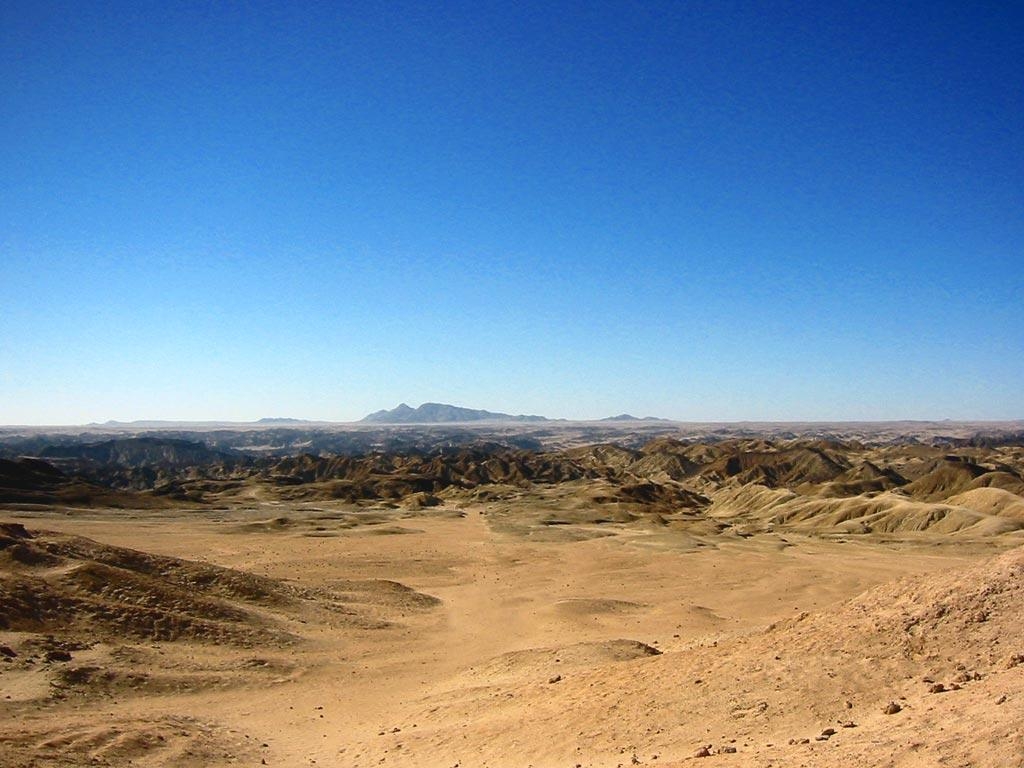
448, 637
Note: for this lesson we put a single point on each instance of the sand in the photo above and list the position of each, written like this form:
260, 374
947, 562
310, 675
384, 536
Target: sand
447, 638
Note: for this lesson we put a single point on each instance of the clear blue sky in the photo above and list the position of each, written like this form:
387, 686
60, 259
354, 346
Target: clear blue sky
705, 211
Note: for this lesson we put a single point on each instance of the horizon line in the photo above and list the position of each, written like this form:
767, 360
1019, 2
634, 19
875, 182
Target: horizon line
606, 420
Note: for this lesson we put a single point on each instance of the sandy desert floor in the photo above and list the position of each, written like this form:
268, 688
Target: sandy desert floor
439, 638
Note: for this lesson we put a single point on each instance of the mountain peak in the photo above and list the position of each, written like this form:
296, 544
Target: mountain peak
440, 413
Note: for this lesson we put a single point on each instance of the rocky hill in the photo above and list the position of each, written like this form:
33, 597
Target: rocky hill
819, 487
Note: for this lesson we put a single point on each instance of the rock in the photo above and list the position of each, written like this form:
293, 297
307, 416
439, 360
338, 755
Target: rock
963, 677
729, 750
847, 724
7, 651
936, 688
892, 708
829, 732
703, 752
58, 656
554, 679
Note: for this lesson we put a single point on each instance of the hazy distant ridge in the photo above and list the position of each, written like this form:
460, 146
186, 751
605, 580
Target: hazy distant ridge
440, 413
630, 417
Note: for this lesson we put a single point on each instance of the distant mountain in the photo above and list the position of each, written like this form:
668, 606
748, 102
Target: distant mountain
628, 417
170, 424
160, 424
439, 413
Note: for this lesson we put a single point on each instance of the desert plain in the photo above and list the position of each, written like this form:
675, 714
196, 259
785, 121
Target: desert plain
609, 595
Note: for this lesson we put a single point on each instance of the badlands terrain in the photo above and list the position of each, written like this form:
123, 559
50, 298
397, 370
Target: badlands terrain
607, 594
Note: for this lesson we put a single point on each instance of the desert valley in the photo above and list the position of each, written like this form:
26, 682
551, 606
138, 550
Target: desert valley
512, 592
785, 238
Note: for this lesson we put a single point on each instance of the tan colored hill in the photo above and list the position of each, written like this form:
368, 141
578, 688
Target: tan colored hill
826, 487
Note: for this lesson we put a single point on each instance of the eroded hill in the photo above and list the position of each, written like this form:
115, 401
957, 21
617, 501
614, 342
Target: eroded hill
735, 486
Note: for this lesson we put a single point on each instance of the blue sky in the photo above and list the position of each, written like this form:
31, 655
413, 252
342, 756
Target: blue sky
703, 211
